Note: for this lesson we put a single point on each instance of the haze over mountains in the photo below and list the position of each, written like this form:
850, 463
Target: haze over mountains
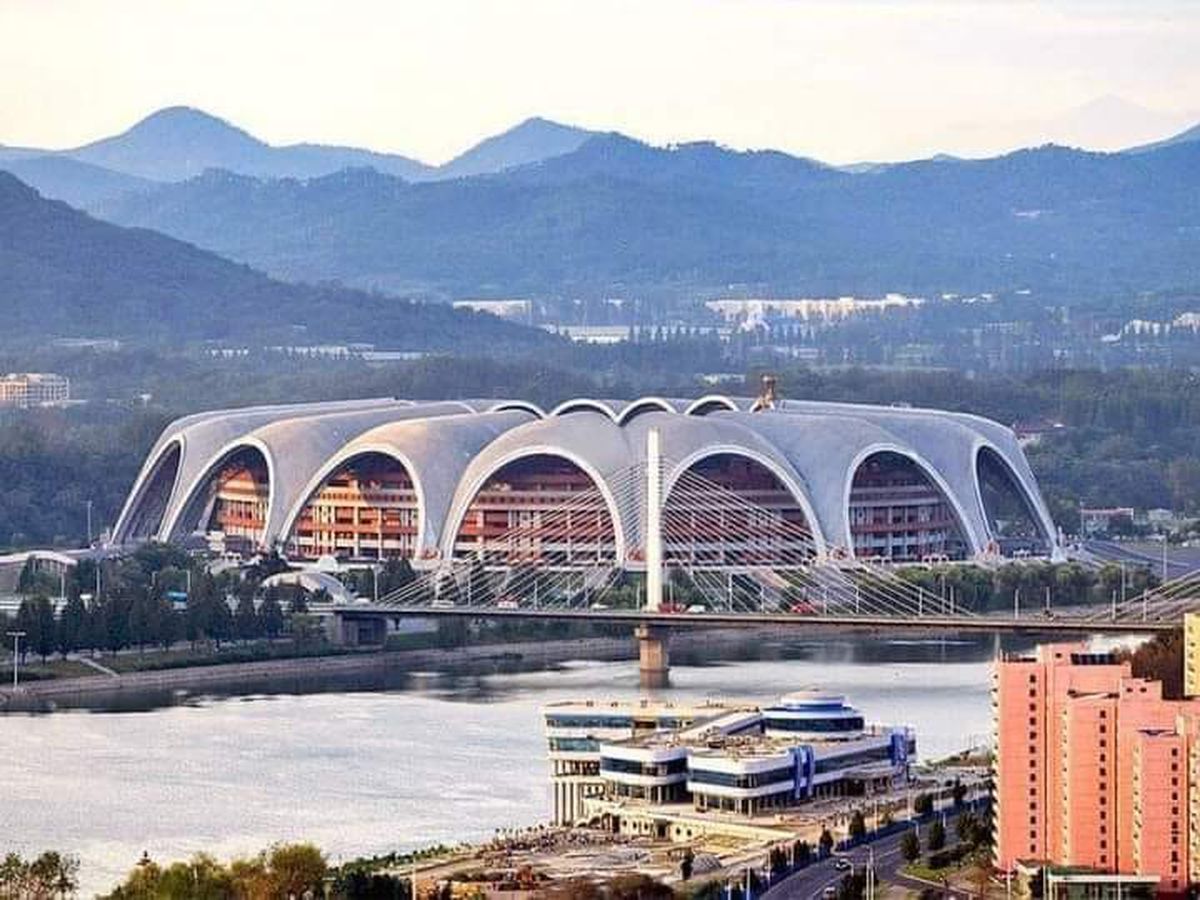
548, 209
179, 142
618, 217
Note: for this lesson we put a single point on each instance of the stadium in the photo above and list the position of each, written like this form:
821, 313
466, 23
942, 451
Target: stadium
744, 481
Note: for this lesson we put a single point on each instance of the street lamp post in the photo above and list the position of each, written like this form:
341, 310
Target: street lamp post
16, 636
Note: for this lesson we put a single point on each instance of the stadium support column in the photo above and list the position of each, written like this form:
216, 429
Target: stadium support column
653, 663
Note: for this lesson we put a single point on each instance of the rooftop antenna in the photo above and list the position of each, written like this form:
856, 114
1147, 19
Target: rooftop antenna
767, 396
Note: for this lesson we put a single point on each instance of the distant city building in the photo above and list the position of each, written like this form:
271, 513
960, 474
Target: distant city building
1094, 768
1030, 432
27, 389
623, 760
106, 345
520, 310
1100, 520
593, 334
754, 311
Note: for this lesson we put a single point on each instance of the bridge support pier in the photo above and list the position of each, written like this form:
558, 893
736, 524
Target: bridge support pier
654, 666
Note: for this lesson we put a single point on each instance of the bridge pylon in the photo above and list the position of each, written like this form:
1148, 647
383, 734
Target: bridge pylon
653, 661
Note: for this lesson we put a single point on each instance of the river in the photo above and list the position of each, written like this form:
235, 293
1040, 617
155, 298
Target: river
374, 766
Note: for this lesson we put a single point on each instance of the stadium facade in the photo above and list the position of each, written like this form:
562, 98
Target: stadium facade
433, 481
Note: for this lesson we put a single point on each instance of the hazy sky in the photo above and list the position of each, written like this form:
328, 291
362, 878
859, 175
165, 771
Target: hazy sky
839, 80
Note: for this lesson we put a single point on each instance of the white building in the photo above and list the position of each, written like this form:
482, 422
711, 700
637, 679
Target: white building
26, 389
742, 759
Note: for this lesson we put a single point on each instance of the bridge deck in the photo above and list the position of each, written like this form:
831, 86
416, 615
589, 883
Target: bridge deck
718, 619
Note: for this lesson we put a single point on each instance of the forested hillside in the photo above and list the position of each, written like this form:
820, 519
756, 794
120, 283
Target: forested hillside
65, 273
617, 216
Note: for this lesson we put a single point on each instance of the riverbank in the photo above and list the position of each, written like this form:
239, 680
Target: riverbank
297, 674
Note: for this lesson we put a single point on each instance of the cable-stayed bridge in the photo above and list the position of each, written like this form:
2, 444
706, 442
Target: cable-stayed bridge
715, 557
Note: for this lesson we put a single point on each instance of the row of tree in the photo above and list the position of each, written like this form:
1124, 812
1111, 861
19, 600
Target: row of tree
157, 596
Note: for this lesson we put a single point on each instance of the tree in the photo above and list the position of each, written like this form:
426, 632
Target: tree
968, 829
44, 636
686, 862
170, 625
923, 804
858, 826
396, 573
777, 861
853, 886
802, 853
825, 843
72, 622
50, 875
959, 792
271, 614
94, 633
143, 623
935, 839
220, 623
295, 869
246, 624
910, 846
25, 622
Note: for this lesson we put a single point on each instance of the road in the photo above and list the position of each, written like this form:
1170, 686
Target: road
1179, 562
811, 882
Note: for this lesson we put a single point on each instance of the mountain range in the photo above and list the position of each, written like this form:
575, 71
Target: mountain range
178, 143
616, 217
549, 209
67, 274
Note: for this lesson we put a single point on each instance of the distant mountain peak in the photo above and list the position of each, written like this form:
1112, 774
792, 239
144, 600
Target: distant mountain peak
176, 117
529, 141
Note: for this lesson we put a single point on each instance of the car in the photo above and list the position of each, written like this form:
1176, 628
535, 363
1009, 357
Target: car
829, 893
696, 609
842, 864
507, 604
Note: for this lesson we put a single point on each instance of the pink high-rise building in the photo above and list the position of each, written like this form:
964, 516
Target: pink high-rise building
1091, 766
